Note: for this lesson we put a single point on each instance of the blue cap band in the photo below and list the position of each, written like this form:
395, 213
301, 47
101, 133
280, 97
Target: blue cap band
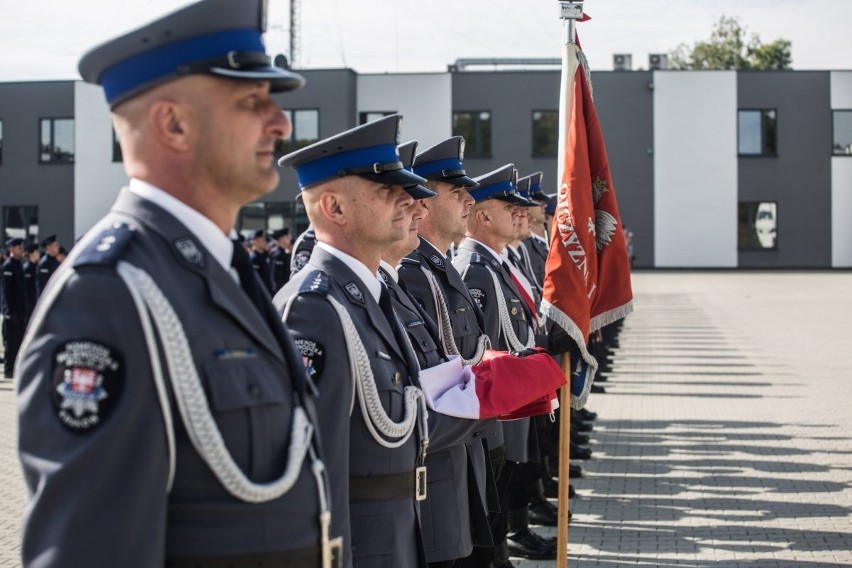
535, 188
427, 168
328, 167
482, 193
149, 66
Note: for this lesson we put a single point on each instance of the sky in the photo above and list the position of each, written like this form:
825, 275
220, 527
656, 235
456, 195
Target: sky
43, 39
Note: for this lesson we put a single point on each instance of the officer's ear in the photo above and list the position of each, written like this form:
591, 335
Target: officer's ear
331, 207
170, 122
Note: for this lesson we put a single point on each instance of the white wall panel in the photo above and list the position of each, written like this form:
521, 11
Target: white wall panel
841, 181
97, 178
424, 100
695, 168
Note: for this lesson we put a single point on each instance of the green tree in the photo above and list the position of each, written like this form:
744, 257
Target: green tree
729, 47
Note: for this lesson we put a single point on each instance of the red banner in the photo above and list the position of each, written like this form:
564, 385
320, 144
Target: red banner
587, 277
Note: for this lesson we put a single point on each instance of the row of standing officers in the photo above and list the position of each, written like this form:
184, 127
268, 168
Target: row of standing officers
172, 413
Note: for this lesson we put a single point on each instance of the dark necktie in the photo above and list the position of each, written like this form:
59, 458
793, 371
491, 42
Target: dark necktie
248, 279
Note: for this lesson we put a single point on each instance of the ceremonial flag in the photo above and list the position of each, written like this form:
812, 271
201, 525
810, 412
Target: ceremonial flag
587, 275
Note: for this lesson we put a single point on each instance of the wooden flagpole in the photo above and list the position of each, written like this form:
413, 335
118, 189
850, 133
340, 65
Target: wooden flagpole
564, 455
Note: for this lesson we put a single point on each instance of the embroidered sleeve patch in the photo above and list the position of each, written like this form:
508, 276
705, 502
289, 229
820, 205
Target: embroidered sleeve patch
478, 296
301, 259
88, 379
313, 357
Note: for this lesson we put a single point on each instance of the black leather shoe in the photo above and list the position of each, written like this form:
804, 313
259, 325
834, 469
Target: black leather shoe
580, 426
551, 489
586, 415
580, 452
574, 471
543, 513
598, 389
545, 540
579, 438
525, 545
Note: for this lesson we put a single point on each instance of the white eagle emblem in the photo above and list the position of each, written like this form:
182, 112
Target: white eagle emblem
605, 225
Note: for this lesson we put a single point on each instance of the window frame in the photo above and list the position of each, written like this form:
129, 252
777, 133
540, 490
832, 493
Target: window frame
472, 145
53, 120
362, 115
763, 147
834, 112
286, 145
533, 151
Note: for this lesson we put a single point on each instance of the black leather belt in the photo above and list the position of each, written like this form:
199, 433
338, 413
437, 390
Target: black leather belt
387, 487
295, 559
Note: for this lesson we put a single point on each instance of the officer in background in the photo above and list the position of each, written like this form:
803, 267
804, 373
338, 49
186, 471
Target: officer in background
142, 448
33, 254
356, 192
537, 244
259, 256
279, 259
13, 304
302, 249
48, 263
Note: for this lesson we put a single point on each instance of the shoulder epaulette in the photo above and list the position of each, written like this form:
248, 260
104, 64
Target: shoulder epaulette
317, 282
476, 258
106, 248
409, 261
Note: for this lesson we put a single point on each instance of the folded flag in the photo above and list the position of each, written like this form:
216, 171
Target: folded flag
503, 385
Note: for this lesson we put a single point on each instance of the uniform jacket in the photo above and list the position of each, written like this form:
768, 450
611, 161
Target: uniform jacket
279, 268
537, 249
114, 455
454, 517
30, 276
380, 533
468, 324
13, 295
260, 262
476, 264
47, 265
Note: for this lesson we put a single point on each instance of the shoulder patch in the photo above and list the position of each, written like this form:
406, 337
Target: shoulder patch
87, 381
478, 296
317, 282
300, 259
105, 249
313, 357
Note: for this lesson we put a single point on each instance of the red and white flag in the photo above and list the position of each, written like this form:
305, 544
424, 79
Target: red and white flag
587, 275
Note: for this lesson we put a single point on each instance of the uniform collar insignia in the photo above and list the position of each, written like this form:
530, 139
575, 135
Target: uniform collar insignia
190, 252
436, 260
353, 290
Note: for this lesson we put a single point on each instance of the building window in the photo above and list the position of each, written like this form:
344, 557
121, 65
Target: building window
758, 225
475, 127
545, 133
305, 123
757, 132
371, 115
20, 222
271, 216
57, 140
842, 127
117, 156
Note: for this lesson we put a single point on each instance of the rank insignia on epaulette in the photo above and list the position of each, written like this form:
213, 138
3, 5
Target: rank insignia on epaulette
475, 257
436, 260
88, 379
190, 252
316, 283
353, 290
105, 249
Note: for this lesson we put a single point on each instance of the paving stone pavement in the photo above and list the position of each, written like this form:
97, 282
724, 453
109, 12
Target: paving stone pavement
724, 438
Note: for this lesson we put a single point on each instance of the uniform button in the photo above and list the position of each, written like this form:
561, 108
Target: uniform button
514, 311
254, 390
397, 378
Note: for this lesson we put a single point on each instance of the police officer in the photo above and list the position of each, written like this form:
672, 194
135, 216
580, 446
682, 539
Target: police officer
259, 256
356, 192
33, 254
279, 259
48, 263
428, 276
140, 446
453, 513
13, 304
491, 225
537, 244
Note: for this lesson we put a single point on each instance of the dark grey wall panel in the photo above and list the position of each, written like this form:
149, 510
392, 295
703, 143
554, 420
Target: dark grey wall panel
333, 92
799, 178
23, 180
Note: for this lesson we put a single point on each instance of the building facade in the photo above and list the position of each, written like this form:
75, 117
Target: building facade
713, 169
